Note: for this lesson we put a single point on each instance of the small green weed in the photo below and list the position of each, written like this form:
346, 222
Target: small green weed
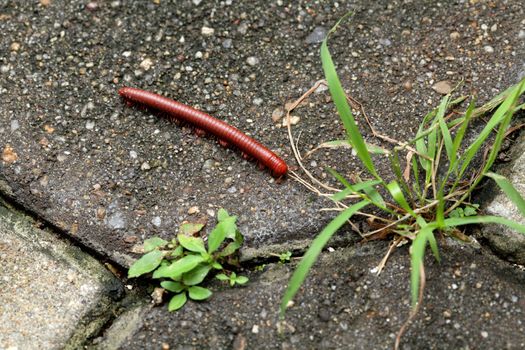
430, 194
233, 279
283, 257
184, 262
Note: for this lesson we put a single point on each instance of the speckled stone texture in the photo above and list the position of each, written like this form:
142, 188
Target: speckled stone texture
52, 295
504, 241
111, 176
472, 300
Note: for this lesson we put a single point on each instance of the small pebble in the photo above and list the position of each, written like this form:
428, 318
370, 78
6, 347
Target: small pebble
293, 120
145, 166
15, 46
277, 114
14, 125
227, 43
208, 164
257, 101
92, 6
385, 42
488, 49
156, 221
317, 36
207, 31
521, 34
193, 210
455, 35
243, 28
146, 64
252, 60
196, 2
484, 334
442, 87
90, 125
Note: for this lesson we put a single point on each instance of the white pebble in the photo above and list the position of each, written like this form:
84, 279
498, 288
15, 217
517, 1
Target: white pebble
156, 221
207, 31
146, 64
488, 49
14, 125
293, 120
252, 60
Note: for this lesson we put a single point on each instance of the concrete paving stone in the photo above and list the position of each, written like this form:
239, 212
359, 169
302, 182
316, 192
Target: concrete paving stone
472, 300
504, 241
53, 296
111, 176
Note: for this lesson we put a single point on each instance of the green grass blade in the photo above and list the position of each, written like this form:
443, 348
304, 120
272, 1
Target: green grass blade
440, 213
416, 260
433, 246
419, 140
467, 220
370, 191
463, 128
396, 168
500, 136
339, 97
415, 184
354, 189
496, 118
445, 132
423, 133
313, 252
509, 190
396, 192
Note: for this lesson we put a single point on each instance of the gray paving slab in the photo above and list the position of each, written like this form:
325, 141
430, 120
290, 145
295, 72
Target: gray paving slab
504, 241
111, 176
53, 296
472, 300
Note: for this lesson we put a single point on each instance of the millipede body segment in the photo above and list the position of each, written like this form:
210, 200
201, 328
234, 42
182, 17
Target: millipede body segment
223, 131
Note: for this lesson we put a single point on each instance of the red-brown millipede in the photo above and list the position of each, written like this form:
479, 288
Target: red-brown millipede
206, 122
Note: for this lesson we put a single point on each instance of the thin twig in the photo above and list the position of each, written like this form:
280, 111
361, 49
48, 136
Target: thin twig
414, 311
391, 248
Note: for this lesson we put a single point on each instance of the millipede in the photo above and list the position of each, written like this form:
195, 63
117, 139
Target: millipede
226, 133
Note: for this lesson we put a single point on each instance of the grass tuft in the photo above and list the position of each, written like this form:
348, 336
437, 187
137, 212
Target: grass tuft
426, 197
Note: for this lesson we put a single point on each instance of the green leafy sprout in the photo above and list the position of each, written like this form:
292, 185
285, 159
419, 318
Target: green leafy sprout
430, 196
183, 263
